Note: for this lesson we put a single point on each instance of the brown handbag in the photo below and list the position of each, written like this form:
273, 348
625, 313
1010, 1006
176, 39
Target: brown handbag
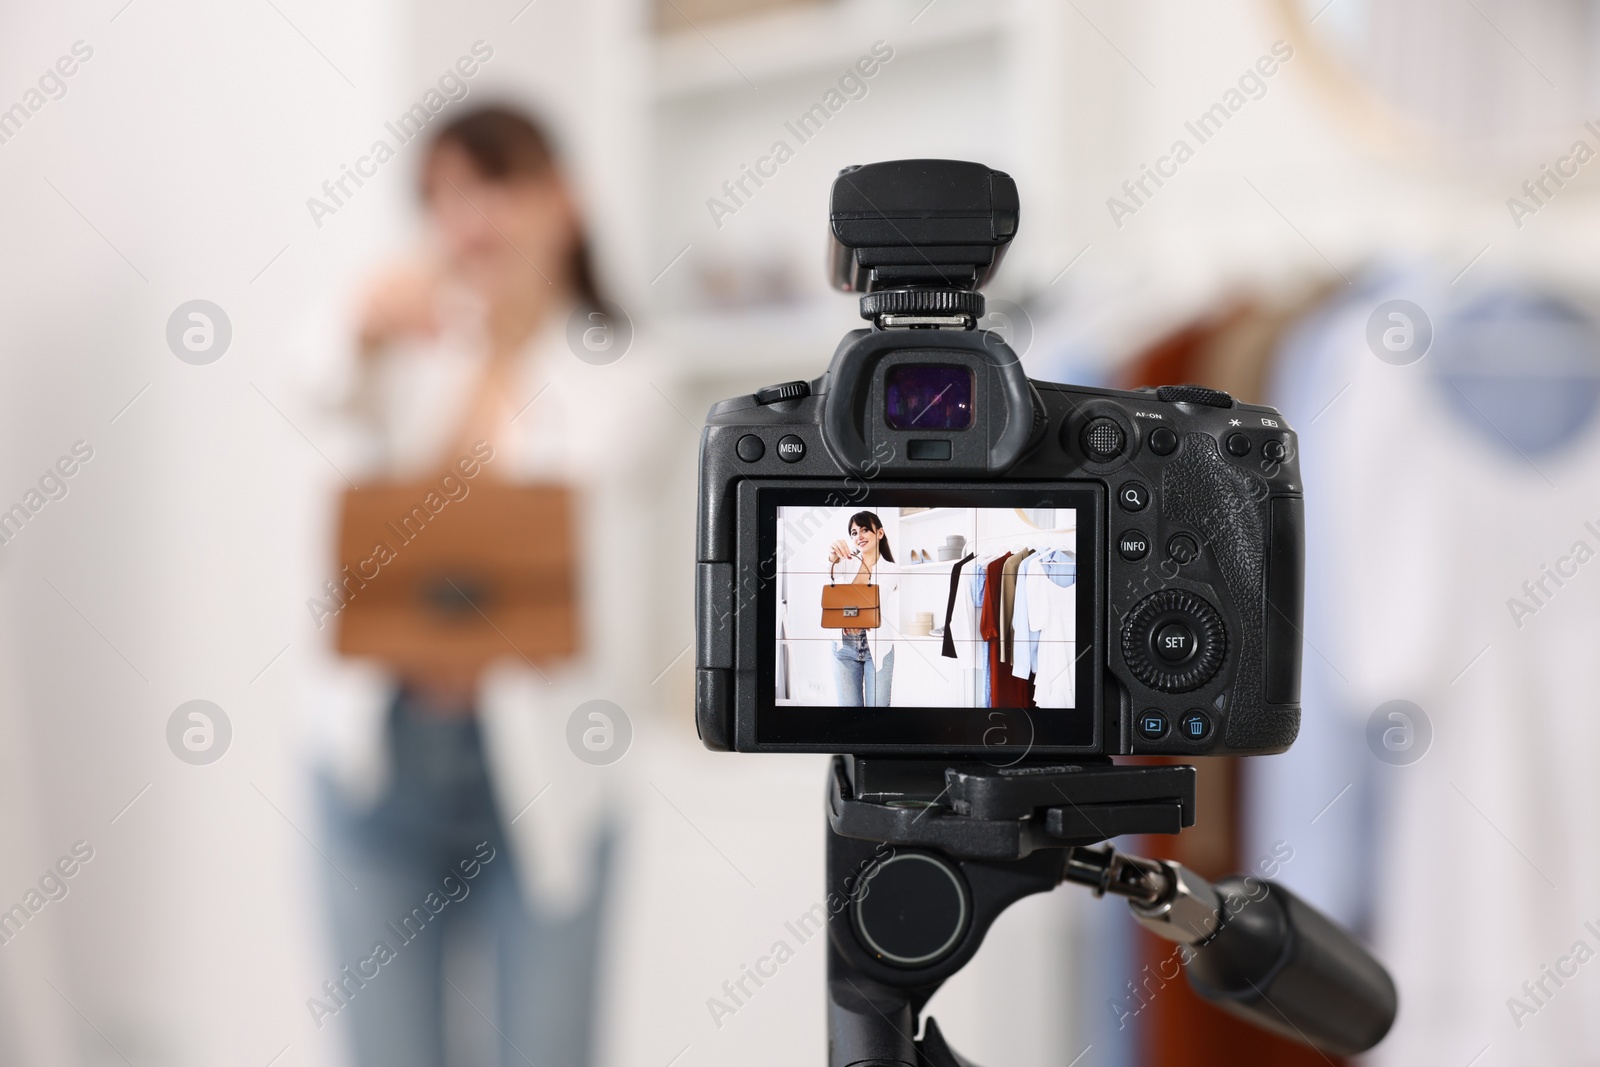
492, 574
436, 583
850, 606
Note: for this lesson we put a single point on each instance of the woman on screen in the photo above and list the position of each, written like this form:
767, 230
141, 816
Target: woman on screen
863, 660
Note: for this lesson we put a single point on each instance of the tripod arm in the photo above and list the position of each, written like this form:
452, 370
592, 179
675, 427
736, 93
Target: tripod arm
1254, 949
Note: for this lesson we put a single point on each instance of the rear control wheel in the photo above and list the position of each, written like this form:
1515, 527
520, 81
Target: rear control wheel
1173, 641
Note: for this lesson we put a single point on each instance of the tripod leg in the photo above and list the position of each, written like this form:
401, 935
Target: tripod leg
869, 1025
936, 1051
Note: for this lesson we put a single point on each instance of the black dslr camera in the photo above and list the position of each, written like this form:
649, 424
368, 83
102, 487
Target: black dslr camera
1165, 525
975, 589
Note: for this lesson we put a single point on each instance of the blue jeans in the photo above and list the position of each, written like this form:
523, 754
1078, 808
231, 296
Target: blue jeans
861, 682
438, 812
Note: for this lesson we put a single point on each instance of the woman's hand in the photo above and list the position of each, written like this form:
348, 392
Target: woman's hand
840, 551
401, 303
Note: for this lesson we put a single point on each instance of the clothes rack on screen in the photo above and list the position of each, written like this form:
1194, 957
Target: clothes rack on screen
1023, 594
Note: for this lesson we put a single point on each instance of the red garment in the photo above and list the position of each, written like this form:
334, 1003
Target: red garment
1006, 690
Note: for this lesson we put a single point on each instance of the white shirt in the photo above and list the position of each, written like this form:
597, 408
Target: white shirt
1053, 613
594, 428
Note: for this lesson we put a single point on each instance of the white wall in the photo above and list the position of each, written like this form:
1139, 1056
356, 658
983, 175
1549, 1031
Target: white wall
176, 167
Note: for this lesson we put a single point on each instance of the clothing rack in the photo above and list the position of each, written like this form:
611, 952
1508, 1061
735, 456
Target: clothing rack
1039, 542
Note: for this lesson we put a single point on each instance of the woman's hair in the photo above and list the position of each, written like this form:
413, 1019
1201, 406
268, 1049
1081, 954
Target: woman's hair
869, 521
504, 145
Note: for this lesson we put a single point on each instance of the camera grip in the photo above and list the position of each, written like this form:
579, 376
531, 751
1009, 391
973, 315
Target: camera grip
1233, 511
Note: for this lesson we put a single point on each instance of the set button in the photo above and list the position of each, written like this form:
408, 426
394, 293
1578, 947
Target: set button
1183, 549
1174, 642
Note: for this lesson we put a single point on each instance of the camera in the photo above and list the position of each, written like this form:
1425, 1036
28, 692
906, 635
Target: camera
973, 589
923, 553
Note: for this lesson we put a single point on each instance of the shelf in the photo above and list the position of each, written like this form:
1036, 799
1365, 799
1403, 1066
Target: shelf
818, 38
765, 344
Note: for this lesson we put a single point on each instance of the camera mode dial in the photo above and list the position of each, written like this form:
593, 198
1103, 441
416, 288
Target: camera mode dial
1173, 641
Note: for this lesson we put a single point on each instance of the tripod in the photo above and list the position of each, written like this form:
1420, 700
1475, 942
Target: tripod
923, 856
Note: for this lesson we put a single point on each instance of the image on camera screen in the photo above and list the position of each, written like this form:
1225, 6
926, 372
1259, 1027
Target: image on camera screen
926, 607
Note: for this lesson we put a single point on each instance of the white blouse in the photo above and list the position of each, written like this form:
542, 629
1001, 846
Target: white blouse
596, 428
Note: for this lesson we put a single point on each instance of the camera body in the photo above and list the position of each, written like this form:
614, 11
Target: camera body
1121, 572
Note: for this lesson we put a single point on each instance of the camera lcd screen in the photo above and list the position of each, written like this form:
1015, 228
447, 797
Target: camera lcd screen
909, 617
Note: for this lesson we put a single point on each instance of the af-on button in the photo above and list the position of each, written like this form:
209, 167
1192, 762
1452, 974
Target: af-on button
1163, 441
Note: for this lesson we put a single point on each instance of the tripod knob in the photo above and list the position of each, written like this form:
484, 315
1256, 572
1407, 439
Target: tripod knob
912, 910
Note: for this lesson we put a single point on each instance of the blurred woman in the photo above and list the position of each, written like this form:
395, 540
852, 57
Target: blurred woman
440, 771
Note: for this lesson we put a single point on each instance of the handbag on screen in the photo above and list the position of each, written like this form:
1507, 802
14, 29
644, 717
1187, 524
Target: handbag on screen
851, 606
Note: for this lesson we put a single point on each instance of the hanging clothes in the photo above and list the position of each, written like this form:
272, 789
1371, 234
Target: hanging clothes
981, 696
1450, 519
1008, 600
1025, 653
1050, 586
1005, 689
1230, 348
948, 649
1063, 571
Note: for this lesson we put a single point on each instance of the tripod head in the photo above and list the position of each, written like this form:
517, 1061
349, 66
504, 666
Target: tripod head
924, 856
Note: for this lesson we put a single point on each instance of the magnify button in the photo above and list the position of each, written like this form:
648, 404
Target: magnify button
1133, 496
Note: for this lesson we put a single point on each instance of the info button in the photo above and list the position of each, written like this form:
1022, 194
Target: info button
1133, 546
